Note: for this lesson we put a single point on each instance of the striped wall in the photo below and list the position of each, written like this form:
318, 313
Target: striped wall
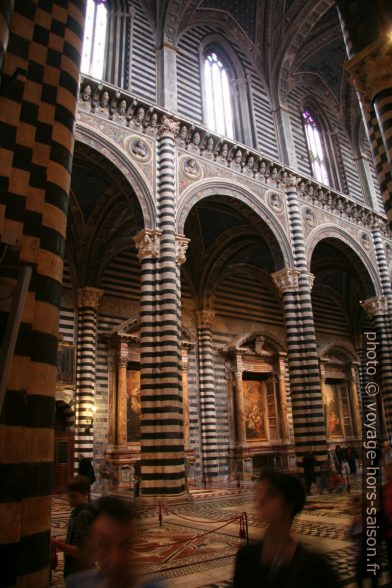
190, 94
37, 115
329, 316
295, 98
121, 276
143, 55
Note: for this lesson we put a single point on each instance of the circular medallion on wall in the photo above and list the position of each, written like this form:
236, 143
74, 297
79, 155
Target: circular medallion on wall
191, 168
275, 201
309, 217
138, 149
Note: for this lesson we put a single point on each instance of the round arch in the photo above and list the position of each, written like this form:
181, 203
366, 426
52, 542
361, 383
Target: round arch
361, 261
273, 229
90, 137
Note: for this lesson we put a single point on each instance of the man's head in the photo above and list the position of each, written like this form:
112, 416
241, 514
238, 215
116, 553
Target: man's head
114, 533
280, 497
77, 489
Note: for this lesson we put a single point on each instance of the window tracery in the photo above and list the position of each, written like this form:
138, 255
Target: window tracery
94, 39
219, 110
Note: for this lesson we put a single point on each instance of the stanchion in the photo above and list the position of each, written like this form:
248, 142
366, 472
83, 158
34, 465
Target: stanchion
348, 480
160, 513
242, 528
246, 527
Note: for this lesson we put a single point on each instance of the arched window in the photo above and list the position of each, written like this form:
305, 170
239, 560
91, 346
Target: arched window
219, 109
316, 148
94, 39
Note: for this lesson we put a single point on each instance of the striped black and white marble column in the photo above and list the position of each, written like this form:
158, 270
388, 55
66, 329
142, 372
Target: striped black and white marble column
295, 285
162, 435
209, 440
87, 303
377, 309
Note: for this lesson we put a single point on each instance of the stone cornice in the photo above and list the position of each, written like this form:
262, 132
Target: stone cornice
135, 113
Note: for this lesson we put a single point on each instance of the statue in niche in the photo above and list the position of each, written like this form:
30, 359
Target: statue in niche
195, 142
104, 100
209, 148
183, 134
237, 158
250, 164
121, 110
262, 168
224, 150
139, 117
259, 344
152, 126
86, 94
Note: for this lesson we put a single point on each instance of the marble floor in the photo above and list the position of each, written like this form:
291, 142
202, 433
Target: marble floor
196, 544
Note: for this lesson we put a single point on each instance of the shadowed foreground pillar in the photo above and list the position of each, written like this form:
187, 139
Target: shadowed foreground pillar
37, 112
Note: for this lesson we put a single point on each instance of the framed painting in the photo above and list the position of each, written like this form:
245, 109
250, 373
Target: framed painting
333, 412
66, 365
254, 405
133, 405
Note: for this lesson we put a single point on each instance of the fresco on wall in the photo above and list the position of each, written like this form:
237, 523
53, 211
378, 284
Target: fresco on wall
133, 406
254, 409
333, 411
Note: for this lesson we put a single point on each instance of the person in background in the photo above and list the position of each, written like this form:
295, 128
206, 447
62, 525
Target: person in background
338, 458
113, 536
356, 534
325, 472
86, 469
79, 525
308, 463
278, 560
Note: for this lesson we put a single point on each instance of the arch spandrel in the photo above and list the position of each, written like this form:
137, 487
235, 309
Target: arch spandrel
96, 141
204, 189
364, 265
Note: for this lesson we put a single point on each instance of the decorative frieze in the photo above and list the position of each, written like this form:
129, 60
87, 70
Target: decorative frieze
149, 119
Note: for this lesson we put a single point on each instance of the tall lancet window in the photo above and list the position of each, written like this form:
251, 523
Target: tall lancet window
94, 39
315, 147
219, 111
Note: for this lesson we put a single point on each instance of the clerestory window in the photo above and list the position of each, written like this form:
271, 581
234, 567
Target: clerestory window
94, 39
315, 148
219, 110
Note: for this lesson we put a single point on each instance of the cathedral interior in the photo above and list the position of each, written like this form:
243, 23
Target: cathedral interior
195, 213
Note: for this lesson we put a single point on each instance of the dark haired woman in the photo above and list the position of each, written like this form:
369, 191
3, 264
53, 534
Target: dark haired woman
278, 561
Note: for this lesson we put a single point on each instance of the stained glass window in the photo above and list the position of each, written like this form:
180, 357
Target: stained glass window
315, 147
94, 39
218, 101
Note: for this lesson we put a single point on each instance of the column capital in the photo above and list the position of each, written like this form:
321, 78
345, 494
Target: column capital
169, 127
286, 280
88, 296
205, 318
375, 306
370, 72
182, 243
147, 243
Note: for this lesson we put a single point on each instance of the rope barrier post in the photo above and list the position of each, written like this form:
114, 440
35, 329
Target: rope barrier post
160, 513
246, 526
242, 528
238, 481
348, 480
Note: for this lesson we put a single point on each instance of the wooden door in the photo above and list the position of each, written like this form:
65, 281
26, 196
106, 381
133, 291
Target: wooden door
63, 460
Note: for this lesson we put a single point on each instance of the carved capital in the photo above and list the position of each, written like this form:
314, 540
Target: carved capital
370, 74
169, 127
148, 243
205, 319
375, 306
181, 247
311, 280
286, 280
88, 297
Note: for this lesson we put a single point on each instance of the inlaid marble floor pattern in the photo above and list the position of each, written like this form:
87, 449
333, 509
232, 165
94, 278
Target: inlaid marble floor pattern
196, 545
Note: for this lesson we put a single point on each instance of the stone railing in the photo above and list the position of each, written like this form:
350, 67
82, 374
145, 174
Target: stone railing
126, 109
